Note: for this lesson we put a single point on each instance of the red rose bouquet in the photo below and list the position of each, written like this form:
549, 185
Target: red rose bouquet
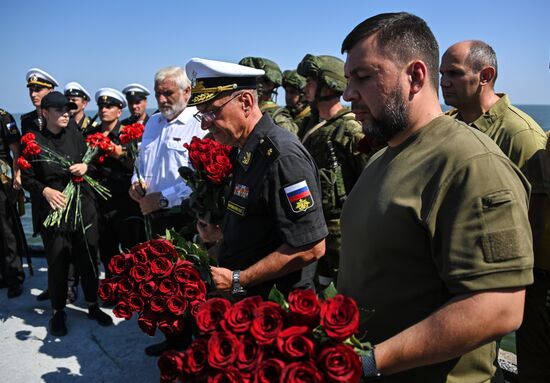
208, 178
162, 280
307, 339
33, 151
131, 134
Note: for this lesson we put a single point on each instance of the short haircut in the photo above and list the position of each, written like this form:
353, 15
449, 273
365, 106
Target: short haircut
481, 55
403, 36
176, 73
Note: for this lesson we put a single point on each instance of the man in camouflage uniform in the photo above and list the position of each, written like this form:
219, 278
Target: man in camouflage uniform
331, 136
297, 105
267, 88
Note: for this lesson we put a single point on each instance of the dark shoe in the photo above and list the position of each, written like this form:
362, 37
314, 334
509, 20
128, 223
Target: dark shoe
43, 296
156, 349
58, 327
15, 291
94, 312
72, 294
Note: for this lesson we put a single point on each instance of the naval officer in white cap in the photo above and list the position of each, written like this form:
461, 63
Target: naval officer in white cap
120, 221
79, 95
136, 96
40, 83
274, 229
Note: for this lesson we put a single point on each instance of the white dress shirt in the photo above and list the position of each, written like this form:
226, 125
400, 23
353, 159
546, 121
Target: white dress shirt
161, 154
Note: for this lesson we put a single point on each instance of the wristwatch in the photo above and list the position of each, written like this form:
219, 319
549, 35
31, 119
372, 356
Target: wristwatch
370, 372
236, 288
163, 202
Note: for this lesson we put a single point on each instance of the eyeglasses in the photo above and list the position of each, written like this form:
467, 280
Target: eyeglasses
211, 115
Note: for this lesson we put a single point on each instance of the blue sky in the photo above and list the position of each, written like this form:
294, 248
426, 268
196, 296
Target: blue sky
112, 43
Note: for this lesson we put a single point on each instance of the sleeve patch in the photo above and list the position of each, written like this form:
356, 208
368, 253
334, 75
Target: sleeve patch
299, 197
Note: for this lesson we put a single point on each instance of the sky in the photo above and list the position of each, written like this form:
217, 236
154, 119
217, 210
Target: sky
111, 43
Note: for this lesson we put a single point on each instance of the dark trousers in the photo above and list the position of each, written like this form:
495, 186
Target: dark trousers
62, 248
120, 228
12, 242
533, 337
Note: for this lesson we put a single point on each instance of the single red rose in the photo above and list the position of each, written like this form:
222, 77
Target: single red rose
301, 372
23, 163
125, 285
147, 322
140, 256
250, 354
295, 343
340, 317
270, 370
223, 348
185, 271
239, 317
162, 247
170, 364
304, 307
176, 305
340, 364
228, 376
195, 305
171, 324
158, 303
147, 289
107, 290
122, 310
210, 314
167, 286
141, 272
195, 357
28, 137
267, 323
120, 263
193, 291
136, 303
161, 267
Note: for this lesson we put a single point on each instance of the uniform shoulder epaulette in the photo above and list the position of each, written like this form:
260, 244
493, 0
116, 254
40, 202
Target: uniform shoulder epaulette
268, 148
3, 112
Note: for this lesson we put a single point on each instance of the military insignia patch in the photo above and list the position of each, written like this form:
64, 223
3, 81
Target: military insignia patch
241, 191
246, 158
299, 197
236, 208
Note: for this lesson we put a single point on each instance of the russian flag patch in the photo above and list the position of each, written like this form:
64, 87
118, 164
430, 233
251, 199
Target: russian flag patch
299, 197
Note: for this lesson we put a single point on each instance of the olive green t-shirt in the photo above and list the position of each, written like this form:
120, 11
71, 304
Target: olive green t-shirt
443, 214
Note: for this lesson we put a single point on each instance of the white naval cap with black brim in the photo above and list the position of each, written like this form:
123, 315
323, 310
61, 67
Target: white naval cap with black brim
209, 78
38, 78
109, 97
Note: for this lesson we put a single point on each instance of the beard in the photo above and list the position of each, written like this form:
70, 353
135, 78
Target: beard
394, 118
171, 111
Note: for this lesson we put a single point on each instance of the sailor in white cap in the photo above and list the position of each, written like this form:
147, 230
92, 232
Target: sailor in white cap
136, 96
40, 83
120, 221
274, 229
79, 95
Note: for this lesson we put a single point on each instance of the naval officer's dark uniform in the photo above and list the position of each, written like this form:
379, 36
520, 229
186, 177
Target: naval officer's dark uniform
264, 211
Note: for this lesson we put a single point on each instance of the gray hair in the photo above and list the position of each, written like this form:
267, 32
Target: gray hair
481, 55
176, 73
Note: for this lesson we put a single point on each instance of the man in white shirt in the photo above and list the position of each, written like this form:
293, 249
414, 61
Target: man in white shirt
160, 189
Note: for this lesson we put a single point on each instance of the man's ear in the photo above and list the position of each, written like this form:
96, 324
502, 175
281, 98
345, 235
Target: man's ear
487, 75
417, 71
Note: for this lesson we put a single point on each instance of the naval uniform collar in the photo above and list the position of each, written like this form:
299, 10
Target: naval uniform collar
244, 157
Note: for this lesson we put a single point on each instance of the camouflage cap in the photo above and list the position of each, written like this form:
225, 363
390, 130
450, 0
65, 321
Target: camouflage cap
292, 78
329, 70
272, 70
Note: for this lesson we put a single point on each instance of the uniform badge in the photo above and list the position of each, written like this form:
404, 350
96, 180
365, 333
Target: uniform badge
299, 197
241, 191
104, 98
236, 208
246, 158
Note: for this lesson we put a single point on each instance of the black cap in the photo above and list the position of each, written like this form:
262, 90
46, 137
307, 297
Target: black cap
56, 100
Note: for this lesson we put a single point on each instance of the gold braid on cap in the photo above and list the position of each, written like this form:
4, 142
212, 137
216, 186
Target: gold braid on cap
199, 88
34, 81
